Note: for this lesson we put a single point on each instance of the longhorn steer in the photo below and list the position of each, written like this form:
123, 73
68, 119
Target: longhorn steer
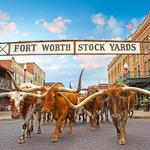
117, 98
93, 108
82, 112
60, 109
24, 105
131, 99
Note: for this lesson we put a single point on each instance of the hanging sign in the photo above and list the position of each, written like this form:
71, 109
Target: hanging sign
74, 47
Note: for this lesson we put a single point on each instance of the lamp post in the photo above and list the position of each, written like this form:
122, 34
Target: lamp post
126, 73
25, 69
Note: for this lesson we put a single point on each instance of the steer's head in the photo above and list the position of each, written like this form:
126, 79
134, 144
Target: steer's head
117, 100
20, 103
92, 90
16, 102
19, 100
49, 101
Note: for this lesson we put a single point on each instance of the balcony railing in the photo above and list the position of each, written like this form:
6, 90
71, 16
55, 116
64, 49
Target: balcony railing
5, 83
139, 74
126, 77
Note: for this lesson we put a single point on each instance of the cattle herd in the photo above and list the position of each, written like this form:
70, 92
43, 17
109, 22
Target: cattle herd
67, 105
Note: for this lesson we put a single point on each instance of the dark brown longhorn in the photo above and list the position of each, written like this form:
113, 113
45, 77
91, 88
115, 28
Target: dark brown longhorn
118, 101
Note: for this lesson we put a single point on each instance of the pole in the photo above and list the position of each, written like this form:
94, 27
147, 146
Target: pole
24, 76
25, 69
126, 76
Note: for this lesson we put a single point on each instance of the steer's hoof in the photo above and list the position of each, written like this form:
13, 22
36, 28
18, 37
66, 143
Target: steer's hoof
54, 139
97, 126
92, 129
69, 132
21, 141
31, 129
39, 132
28, 135
59, 135
122, 142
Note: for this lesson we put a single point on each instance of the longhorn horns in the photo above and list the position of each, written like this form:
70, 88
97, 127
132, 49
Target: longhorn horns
38, 88
62, 89
91, 97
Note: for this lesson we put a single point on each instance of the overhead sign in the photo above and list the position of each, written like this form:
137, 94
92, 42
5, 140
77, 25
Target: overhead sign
96, 47
75, 47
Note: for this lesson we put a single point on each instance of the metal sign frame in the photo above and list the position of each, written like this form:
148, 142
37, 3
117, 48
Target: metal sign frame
10, 48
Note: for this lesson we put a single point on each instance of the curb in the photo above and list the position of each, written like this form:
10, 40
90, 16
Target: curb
6, 119
141, 117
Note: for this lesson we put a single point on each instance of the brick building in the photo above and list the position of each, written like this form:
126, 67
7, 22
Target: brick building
49, 84
133, 69
100, 86
5, 86
38, 74
32, 73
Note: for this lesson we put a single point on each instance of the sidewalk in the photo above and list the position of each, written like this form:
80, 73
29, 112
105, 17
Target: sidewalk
5, 115
138, 114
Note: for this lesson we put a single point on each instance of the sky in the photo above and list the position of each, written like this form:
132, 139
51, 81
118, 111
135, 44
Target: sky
26, 20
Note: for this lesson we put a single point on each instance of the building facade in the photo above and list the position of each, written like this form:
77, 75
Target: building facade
22, 73
133, 70
5, 86
32, 73
38, 74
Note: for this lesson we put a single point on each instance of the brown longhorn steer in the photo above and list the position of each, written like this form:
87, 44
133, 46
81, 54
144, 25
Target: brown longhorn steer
93, 108
117, 98
60, 109
131, 99
82, 112
24, 105
55, 103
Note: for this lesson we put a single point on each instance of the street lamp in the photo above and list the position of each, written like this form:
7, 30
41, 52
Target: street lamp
25, 69
126, 72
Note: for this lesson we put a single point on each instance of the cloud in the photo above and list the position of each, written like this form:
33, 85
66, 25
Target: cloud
117, 39
58, 25
109, 27
114, 26
136, 22
90, 61
8, 28
54, 67
98, 19
4, 16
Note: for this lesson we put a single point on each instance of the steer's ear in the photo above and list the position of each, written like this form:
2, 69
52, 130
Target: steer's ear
124, 93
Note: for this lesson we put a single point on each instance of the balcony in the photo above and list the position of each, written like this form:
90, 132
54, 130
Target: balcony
5, 84
139, 79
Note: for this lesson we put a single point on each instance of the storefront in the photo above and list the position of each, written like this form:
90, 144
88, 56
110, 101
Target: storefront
5, 86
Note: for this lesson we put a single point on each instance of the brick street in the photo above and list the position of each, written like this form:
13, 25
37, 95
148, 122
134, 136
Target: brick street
104, 138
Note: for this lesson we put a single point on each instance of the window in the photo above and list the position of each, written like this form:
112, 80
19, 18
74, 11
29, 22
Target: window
35, 77
135, 72
146, 45
149, 67
145, 68
138, 71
